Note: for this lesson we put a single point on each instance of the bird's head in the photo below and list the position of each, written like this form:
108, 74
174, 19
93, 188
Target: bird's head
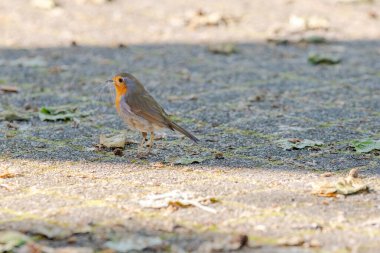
120, 83
125, 82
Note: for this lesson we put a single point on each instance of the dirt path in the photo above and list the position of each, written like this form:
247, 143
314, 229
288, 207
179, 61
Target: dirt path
61, 191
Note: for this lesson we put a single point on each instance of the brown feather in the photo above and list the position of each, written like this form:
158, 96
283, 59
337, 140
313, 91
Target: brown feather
144, 105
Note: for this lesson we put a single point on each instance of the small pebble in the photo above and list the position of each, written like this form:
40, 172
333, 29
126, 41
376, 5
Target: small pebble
118, 152
354, 173
219, 155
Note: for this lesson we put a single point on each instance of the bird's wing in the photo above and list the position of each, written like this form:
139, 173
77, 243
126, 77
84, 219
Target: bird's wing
144, 105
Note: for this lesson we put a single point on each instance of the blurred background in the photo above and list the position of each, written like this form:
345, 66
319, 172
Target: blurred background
48, 23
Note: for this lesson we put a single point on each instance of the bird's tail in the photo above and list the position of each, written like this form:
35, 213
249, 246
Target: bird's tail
183, 131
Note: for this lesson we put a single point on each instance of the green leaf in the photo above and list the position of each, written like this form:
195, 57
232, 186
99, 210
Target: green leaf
366, 146
317, 59
315, 39
54, 113
224, 48
289, 144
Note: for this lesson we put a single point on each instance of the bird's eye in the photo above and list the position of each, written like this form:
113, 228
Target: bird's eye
120, 80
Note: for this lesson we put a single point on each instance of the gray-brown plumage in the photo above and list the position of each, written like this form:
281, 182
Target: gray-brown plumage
140, 110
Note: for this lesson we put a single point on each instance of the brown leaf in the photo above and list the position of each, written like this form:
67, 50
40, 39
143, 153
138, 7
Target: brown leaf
7, 175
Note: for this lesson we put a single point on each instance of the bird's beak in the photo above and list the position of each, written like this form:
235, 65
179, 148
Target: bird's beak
109, 81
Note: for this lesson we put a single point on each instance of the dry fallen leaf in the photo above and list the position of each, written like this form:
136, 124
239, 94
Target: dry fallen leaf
201, 18
344, 186
7, 174
351, 185
6, 187
176, 199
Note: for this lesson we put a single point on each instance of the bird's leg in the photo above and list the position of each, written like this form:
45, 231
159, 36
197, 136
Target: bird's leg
144, 139
150, 143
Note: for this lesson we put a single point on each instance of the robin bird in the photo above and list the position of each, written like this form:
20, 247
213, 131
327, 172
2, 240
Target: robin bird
140, 111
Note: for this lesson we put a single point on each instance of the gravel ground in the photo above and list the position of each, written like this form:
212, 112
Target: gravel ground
63, 192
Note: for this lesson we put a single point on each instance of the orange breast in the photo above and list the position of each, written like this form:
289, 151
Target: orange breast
120, 91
